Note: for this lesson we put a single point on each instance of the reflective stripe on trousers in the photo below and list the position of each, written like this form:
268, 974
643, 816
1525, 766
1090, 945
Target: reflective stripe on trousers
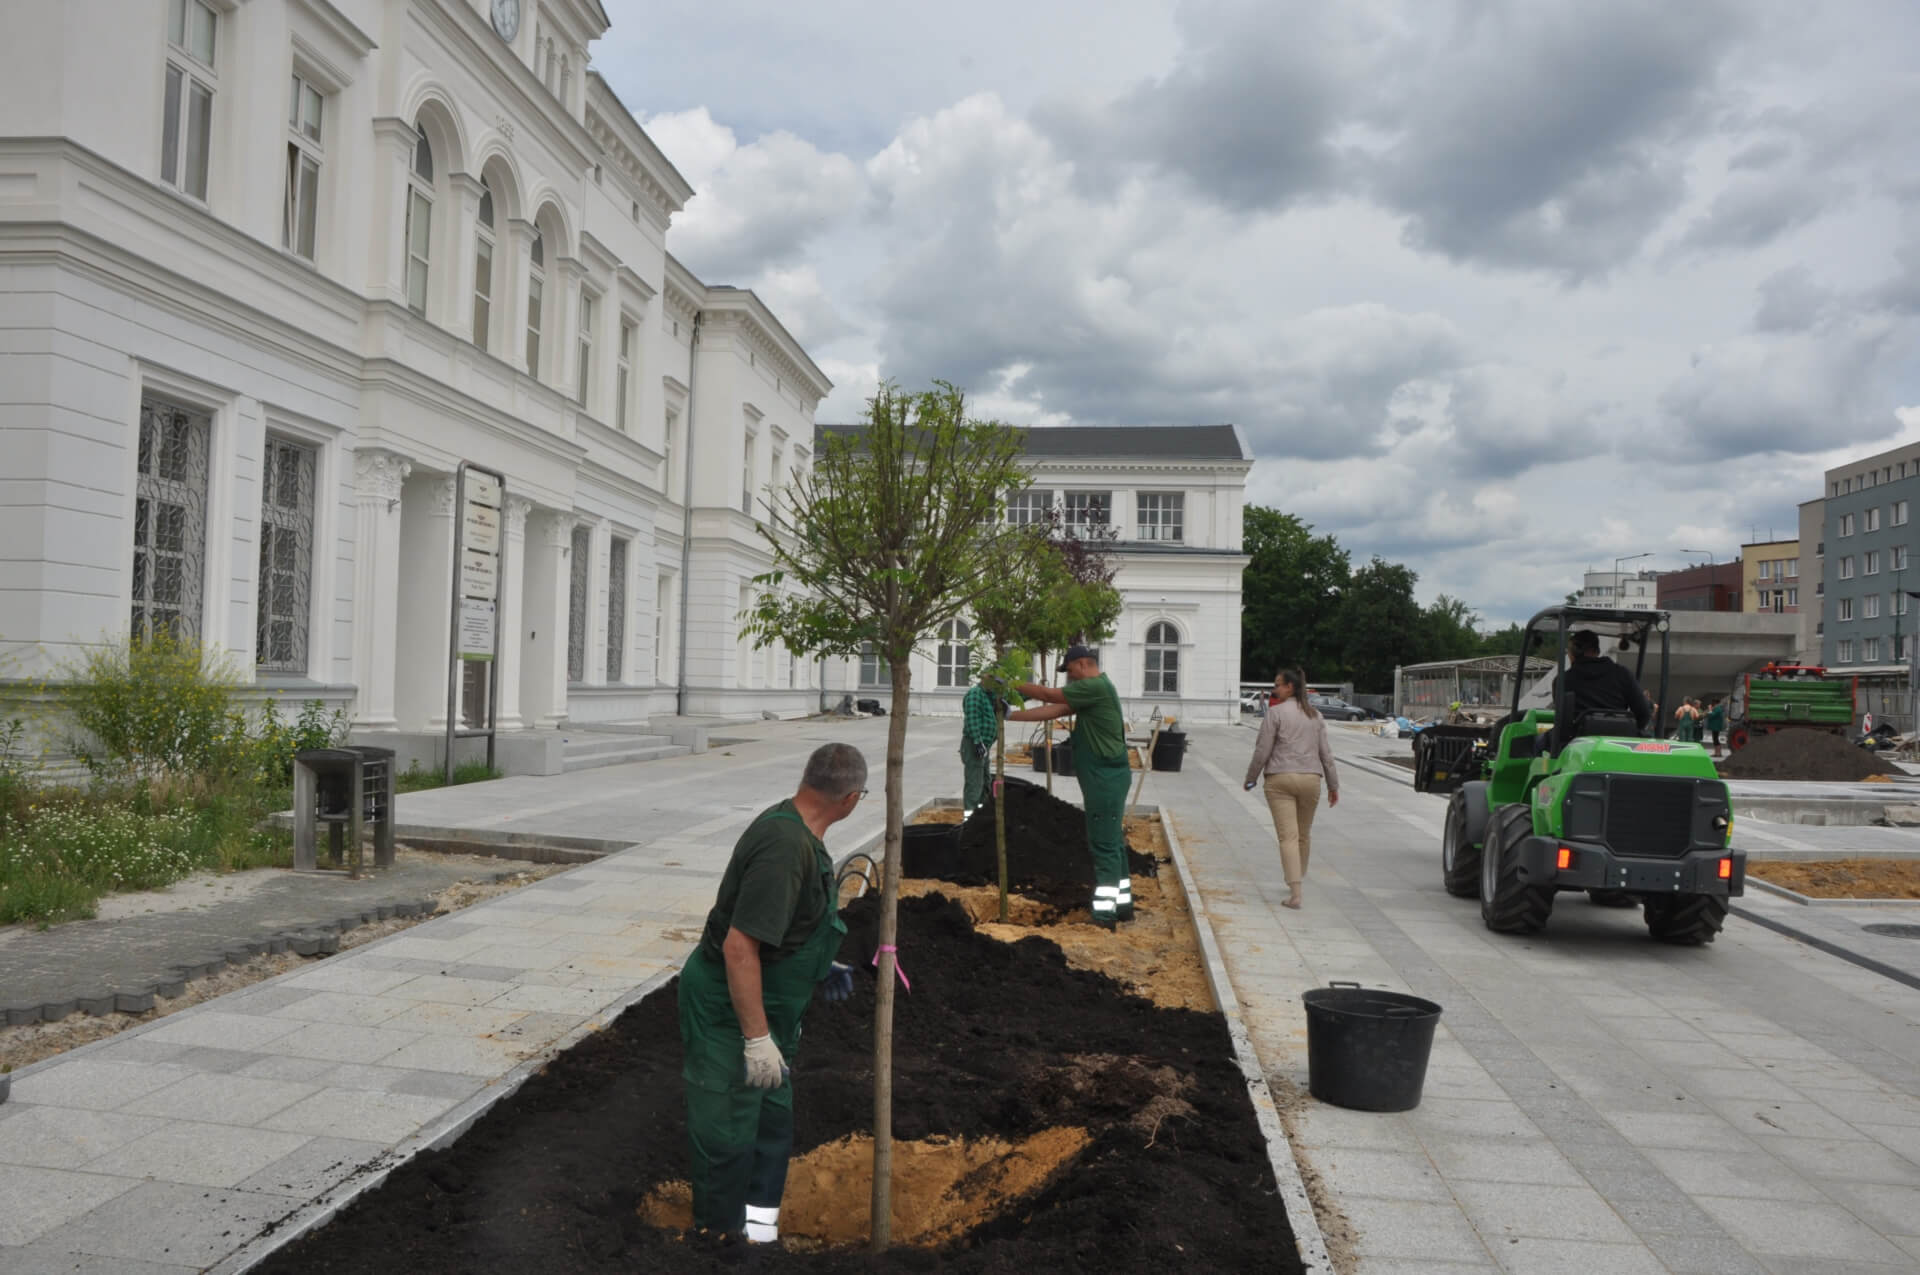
763, 1224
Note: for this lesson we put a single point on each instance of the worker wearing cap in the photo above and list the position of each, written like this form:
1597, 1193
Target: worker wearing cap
768, 947
980, 711
1100, 761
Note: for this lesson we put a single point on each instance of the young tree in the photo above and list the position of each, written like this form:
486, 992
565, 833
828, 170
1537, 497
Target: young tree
1083, 605
895, 531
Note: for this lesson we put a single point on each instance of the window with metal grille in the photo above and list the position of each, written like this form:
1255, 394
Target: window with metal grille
286, 557
169, 521
1162, 515
874, 668
616, 610
1163, 659
1030, 506
955, 654
186, 128
301, 212
578, 585
1089, 508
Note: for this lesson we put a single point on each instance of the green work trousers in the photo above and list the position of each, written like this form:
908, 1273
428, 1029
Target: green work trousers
1103, 791
974, 768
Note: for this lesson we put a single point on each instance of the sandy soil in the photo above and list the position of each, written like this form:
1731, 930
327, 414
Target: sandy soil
29, 1044
1842, 878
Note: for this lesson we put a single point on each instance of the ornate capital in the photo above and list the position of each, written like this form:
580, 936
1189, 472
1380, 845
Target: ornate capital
444, 490
556, 530
518, 507
377, 475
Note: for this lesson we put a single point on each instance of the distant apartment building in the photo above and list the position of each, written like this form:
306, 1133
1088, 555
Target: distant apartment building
1620, 590
1862, 554
1770, 576
1711, 586
1813, 549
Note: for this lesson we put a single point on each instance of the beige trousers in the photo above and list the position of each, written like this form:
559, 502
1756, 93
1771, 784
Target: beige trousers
1293, 798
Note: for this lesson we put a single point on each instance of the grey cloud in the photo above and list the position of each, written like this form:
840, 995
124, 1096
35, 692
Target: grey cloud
1790, 301
1755, 210
1761, 154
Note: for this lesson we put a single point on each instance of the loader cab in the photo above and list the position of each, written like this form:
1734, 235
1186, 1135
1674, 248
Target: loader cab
1625, 637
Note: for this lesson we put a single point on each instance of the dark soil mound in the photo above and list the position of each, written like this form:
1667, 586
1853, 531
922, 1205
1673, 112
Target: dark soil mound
1805, 754
995, 1039
1046, 850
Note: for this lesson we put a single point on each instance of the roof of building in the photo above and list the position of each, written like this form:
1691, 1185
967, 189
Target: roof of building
1121, 442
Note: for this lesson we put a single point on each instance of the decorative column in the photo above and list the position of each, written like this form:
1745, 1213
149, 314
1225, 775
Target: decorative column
394, 140
465, 222
517, 244
564, 278
378, 477
512, 631
543, 678
426, 551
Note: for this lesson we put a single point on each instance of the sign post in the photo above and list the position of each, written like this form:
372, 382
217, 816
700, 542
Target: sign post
479, 559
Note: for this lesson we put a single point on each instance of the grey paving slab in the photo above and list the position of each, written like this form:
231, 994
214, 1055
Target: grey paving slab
314, 1167
41, 1199
63, 1138
169, 1222
198, 1154
1530, 1255
36, 1259
1790, 1228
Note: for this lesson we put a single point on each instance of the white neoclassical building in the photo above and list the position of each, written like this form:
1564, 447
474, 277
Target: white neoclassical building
270, 270
1174, 496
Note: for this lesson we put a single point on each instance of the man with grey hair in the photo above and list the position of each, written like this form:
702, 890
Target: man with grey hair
769, 945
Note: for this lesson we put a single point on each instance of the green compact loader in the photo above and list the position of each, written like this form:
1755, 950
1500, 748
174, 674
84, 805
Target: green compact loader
1552, 801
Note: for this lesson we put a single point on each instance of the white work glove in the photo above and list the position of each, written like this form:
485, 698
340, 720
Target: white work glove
766, 1069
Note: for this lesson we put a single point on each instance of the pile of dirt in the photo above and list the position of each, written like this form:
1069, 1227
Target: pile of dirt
1842, 878
997, 1042
1805, 754
1046, 850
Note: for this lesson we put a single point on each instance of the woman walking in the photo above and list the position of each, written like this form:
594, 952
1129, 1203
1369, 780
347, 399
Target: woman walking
1293, 755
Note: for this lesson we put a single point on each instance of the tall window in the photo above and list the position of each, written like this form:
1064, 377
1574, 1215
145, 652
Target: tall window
419, 223
169, 520
1873, 518
616, 609
483, 268
1846, 524
955, 654
186, 129
1843, 652
1089, 508
1025, 508
623, 376
1897, 557
585, 370
662, 611
746, 479
1163, 659
1846, 567
1843, 609
536, 285
874, 669
1162, 515
1869, 606
1870, 650
1872, 566
579, 582
777, 471
666, 452
286, 557
302, 208
1899, 513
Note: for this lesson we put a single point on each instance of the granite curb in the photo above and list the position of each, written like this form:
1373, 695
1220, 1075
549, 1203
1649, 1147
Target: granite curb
310, 938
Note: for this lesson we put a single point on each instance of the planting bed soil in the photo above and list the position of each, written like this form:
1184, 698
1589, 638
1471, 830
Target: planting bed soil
1842, 878
1805, 754
1045, 1119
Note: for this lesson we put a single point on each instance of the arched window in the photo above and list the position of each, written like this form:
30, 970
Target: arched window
956, 653
1163, 659
536, 283
419, 222
483, 268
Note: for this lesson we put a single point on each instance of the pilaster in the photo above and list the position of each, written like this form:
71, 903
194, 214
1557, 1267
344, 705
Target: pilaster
512, 606
378, 479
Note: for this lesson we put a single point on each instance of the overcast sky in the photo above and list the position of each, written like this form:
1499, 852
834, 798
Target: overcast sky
1498, 289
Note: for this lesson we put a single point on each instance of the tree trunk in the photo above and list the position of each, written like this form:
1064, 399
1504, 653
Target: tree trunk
881, 1218
999, 795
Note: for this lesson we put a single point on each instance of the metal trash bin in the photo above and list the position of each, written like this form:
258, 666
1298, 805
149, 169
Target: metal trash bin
347, 789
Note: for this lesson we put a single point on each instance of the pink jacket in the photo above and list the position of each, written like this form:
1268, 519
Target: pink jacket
1291, 743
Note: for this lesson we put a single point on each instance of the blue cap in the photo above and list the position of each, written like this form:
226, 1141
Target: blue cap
1078, 652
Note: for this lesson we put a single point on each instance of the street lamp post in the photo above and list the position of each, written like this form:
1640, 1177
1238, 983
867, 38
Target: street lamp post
1711, 564
1629, 557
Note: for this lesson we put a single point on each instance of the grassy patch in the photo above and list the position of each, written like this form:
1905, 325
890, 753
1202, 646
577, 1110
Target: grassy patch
414, 779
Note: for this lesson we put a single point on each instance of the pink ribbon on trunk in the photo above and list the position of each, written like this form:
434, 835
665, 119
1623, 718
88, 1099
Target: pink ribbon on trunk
897, 969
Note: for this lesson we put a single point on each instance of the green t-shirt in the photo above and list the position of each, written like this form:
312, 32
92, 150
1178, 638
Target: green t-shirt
774, 889
1098, 725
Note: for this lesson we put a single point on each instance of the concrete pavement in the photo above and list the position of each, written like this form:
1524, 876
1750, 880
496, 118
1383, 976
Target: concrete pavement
1596, 1102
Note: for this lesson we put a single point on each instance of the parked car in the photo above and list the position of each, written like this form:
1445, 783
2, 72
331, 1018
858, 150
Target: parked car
1337, 709
1256, 702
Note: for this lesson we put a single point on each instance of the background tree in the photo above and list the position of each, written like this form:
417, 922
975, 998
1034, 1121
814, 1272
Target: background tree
1449, 631
895, 531
1290, 598
1380, 623
1502, 641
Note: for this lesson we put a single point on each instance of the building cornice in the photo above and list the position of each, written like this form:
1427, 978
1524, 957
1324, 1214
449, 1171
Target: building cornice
338, 25
634, 153
633, 280
469, 34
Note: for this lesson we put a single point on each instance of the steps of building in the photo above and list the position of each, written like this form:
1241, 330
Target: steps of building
589, 750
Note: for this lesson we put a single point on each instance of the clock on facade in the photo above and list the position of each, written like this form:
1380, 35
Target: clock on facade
506, 18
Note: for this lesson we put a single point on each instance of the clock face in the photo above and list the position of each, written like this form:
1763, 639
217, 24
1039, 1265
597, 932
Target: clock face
506, 18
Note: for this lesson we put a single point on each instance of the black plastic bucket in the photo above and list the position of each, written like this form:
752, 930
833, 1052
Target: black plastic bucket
1169, 749
1367, 1048
1062, 757
930, 849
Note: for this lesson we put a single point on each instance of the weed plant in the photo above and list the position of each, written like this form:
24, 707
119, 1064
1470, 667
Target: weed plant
414, 779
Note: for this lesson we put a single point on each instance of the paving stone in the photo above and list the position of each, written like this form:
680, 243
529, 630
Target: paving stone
455, 1054
339, 1042
1795, 1119
1685, 1132
1529, 1255
219, 1028
1888, 1209
315, 1168
554, 1000
341, 1007
443, 990
1756, 1176
91, 1085
1843, 1158
1412, 1229
1476, 1160
170, 1222
38, 1259
436, 1019
1502, 1209
198, 1154
1874, 1108
1788, 1228
220, 1099
39, 1200
1703, 1255
64, 1138
1351, 1172
360, 1114
1465, 1118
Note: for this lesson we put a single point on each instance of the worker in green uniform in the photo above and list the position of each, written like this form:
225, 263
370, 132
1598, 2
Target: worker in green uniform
980, 711
768, 947
1100, 761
